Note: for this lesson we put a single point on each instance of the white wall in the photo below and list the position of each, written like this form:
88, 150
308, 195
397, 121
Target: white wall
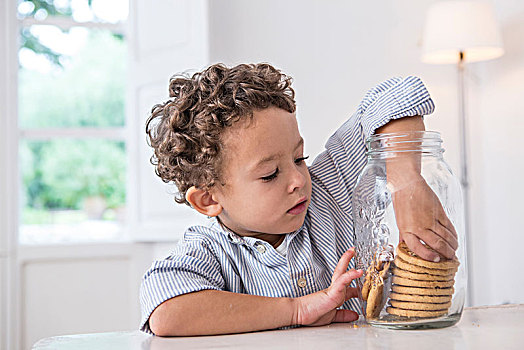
3, 302
499, 162
338, 49
79, 289
165, 37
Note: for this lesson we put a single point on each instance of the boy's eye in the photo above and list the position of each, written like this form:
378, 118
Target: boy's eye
270, 177
301, 159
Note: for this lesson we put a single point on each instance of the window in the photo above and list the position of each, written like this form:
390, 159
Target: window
72, 129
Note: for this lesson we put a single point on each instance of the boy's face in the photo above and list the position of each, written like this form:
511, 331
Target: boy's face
267, 187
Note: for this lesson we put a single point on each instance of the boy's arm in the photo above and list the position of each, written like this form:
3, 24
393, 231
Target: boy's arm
210, 312
418, 211
335, 171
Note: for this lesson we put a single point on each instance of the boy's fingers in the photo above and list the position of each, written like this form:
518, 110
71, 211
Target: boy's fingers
418, 248
445, 234
345, 316
437, 238
448, 225
443, 241
351, 293
354, 273
342, 282
452, 237
343, 263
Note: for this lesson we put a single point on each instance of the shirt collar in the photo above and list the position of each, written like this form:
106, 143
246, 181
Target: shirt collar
251, 241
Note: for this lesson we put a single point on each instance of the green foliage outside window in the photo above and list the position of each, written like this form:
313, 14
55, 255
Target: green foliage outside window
60, 174
29, 41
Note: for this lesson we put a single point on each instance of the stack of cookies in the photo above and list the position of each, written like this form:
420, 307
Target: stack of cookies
421, 288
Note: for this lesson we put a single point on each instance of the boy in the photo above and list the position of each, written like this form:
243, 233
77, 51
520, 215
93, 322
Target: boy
278, 249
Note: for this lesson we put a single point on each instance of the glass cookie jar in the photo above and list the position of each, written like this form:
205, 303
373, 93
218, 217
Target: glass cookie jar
400, 289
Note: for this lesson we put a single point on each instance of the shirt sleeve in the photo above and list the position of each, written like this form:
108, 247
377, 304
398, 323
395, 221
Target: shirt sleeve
335, 171
191, 267
392, 99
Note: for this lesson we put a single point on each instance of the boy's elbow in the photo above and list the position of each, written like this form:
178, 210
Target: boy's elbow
158, 327
160, 330
165, 322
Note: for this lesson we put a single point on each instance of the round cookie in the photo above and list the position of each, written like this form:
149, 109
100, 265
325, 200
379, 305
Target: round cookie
420, 276
422, 291
399, 262
409, 305
410, 257
422, 284
375, 294
367, 283
421, 298
374, 301
415, 313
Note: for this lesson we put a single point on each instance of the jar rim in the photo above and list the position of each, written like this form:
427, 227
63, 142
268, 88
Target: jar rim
422, 135
425, 142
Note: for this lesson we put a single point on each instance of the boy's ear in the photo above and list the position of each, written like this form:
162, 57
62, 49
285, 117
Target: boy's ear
203, 202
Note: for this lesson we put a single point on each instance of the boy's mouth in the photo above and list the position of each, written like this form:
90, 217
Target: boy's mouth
298, 208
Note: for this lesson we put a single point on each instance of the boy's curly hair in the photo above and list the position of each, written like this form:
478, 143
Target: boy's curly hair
185, 132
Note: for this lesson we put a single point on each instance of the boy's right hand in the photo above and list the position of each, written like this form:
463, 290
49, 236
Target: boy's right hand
320, 308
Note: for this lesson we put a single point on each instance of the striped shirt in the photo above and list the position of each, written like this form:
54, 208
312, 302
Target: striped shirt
211, 257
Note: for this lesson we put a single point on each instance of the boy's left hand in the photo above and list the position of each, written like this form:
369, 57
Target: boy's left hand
321, 308
420, 216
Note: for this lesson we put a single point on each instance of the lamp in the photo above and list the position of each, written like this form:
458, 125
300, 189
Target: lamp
457, 32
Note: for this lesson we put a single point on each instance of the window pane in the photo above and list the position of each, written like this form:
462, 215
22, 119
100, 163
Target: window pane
109, 11
72, 190
71, 78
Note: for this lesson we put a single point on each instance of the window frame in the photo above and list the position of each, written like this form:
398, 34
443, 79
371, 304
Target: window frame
9, 303
154, 54
143, 236
121, 133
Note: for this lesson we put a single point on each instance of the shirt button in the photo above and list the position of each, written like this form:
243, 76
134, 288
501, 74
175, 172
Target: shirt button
261, 249
301, 282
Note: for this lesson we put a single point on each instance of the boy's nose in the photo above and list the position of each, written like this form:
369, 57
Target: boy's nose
298, 180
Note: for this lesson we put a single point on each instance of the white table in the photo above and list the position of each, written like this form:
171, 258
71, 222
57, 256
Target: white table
495, 327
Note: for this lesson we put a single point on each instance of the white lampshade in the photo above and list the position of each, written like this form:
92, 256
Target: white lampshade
461, 26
